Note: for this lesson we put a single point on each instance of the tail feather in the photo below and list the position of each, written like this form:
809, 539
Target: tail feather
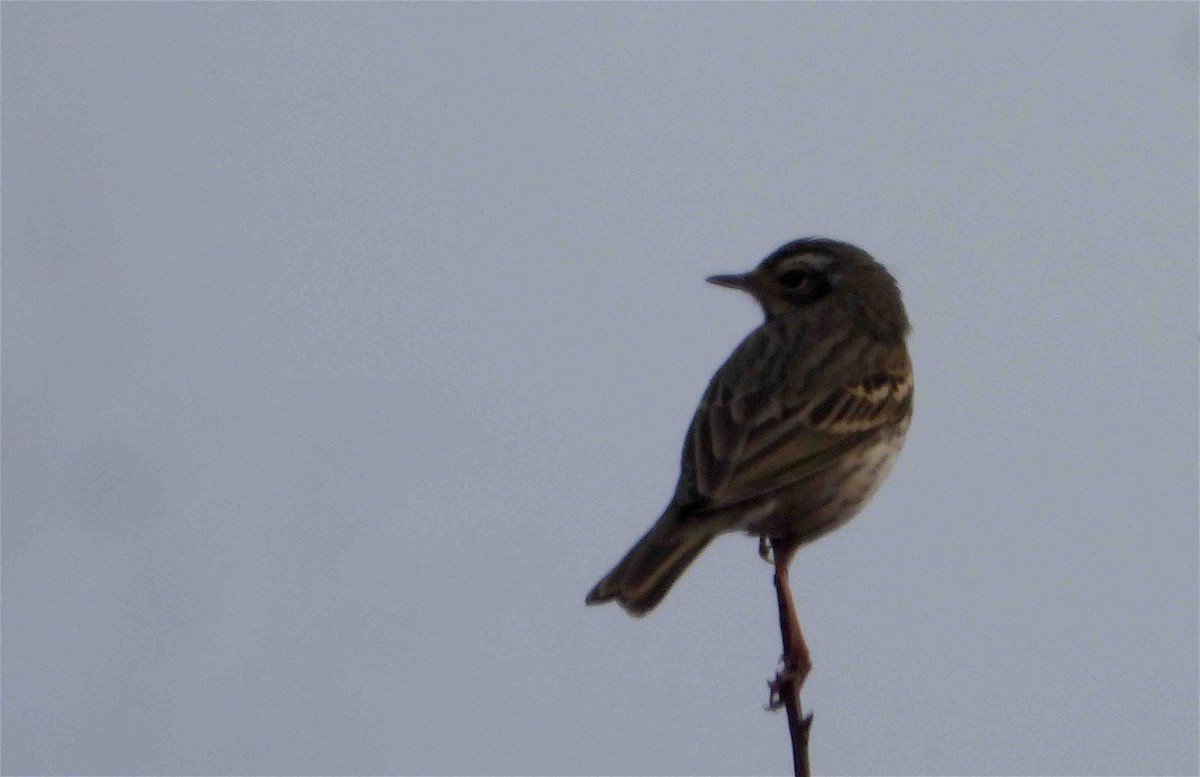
641, 579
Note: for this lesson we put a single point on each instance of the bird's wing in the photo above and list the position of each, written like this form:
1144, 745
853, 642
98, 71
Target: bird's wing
771, 418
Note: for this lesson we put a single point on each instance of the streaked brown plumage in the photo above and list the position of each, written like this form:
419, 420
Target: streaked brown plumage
799, 426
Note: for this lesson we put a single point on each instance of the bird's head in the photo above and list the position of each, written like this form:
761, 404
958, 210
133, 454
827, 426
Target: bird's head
811, 273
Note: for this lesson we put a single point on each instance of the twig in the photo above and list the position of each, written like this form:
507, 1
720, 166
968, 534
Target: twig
785, 688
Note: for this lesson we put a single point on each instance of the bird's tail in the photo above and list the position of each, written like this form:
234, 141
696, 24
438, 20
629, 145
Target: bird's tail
641, 579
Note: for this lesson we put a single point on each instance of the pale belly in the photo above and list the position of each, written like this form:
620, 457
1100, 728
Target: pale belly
829, 498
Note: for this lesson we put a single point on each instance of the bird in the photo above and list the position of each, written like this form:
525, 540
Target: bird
795, 431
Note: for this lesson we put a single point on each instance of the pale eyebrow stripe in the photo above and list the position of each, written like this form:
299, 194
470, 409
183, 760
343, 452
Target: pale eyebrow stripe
813, 260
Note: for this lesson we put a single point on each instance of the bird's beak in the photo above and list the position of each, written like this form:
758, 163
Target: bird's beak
742, 281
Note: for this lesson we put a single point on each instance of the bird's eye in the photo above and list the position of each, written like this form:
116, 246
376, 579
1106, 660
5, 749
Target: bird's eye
804, 285
794, 279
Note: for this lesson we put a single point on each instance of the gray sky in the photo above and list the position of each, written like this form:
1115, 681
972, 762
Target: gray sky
346, 346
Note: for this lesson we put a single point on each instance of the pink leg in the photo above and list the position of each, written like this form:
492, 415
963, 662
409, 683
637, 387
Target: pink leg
796, 660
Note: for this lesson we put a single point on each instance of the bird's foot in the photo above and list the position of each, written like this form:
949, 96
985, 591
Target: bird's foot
787, 681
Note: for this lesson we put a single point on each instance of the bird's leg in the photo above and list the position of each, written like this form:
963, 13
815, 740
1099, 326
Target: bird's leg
764, 550
795, 660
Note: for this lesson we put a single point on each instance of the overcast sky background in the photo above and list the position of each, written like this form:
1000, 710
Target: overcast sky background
346, 346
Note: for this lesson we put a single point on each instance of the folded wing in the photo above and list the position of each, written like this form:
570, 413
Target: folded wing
752, 435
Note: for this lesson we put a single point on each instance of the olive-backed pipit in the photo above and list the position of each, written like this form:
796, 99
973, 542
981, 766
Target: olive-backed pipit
799, 426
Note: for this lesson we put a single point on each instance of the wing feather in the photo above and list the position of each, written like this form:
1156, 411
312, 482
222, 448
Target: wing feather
771, 416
